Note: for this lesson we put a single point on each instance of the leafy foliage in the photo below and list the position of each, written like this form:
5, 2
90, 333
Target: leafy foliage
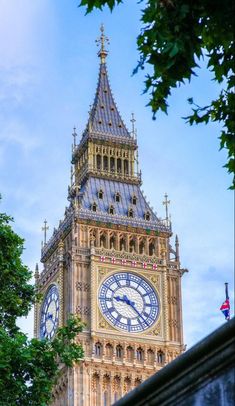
17, 294
28, 368
99, 4
176, 34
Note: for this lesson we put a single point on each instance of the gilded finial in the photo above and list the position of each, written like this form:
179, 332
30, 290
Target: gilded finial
101, 41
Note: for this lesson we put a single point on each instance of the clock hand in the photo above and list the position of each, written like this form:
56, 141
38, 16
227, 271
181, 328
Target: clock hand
130, 303
124, 299
119, 299
133, 307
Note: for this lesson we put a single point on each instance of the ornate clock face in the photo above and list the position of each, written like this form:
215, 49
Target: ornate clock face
128, 302
50, 313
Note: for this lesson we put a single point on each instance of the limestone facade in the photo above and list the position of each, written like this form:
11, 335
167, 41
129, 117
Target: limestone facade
108, 228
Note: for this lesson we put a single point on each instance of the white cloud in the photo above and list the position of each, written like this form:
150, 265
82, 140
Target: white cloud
15, 133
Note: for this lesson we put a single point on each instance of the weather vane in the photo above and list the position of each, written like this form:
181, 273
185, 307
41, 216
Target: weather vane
101, 41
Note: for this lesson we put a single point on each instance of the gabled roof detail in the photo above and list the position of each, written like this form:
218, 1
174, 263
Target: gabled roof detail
104, 116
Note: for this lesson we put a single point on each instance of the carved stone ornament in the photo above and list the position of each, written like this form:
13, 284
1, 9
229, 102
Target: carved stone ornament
104, 324
101, 274
156, 281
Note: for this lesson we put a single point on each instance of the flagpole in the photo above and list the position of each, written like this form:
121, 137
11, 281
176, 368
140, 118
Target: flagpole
227, 298
226, 290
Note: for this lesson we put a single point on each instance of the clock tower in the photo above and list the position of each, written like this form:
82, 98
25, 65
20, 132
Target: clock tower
111, 262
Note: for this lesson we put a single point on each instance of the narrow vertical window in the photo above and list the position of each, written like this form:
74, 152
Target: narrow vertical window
112, 164
105, 399
134, 200
105, 163
100, 194
94, 207
130, 213
98, 162
117, 197
126, 167
119, 165
111, 209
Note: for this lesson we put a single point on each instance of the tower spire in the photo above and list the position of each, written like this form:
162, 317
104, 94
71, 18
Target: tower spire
101, 41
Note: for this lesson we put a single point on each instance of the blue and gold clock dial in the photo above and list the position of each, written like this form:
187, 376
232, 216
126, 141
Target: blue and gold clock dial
128, 302
50, 313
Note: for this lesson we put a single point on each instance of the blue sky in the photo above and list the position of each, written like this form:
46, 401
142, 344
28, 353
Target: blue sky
48, 76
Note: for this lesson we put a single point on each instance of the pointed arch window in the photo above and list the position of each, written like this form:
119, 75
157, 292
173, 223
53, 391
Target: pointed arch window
117, 197
100, 194
94, 207
112, 164
98, 349
141, 247
103, 241
122, 244
111, 209
98, 161
140, 354
132, 245
119, 351
112, 242
151, 248
150, 356
119, 165
131, 213
134, 200
147, 216
160, 357
105, 163
126, 167
130, 353
109, 350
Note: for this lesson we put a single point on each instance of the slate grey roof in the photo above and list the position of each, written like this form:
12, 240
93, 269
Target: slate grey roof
89, 195
105, 117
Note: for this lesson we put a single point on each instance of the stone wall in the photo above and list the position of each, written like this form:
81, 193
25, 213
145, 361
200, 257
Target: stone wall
202, 376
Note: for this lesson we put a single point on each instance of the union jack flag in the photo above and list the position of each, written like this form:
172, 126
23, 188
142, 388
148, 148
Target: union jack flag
225, 307
102, 259
154, 267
